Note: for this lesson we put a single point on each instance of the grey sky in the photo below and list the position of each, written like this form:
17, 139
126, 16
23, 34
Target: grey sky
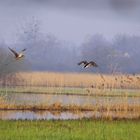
71, 20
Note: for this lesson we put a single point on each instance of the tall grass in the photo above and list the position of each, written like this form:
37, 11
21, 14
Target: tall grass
71, 83
51, 79
75, 83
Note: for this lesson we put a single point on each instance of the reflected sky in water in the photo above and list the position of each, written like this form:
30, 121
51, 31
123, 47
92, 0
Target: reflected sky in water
66, 115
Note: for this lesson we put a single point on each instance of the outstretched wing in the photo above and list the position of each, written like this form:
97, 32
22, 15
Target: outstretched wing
24, 50
92, 63
14, 52
82, 62
86, 65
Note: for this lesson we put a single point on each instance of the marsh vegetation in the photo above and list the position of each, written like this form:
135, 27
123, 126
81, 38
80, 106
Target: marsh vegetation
111, 96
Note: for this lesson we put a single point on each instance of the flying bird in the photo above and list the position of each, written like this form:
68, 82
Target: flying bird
91, 64
83, 63
88, 64
17, 55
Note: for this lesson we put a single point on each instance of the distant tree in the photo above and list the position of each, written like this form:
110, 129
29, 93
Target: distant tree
97, 48
9, 66
30, 31
129, 46
120, 55
45, 51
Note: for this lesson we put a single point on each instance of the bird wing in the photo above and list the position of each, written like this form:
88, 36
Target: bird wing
82, 62
14, 52
24, 50
86, 65
93, 64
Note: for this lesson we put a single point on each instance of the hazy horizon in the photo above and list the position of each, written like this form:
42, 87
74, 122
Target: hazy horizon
65, 32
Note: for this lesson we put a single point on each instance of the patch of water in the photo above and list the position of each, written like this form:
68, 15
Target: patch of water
45, 99
56, 115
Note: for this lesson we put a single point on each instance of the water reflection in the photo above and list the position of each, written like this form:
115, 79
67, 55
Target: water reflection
44, 99
42, 115
65, 115
67, 100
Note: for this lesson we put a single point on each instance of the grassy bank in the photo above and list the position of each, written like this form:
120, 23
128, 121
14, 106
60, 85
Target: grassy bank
71, 91
70, 130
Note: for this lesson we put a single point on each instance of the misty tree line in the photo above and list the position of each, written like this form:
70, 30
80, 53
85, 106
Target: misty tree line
46, 53
119, 55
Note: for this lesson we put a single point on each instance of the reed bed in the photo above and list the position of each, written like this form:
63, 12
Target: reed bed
52, 79
117, 111
57, 105
87, 84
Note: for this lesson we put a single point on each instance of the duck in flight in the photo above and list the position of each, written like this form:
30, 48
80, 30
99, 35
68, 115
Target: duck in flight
83, 63
88, 64
17, 55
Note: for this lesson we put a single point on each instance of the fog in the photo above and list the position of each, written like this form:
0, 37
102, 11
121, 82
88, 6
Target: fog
59, 34
71, 20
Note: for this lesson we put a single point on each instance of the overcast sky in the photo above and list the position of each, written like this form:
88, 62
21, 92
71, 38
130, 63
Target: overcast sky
71, 20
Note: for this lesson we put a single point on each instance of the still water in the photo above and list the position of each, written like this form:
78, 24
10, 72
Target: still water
65, 100
38, 99
64, 115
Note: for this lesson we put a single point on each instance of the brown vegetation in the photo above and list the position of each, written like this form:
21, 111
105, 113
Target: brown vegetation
87, 84
51, 79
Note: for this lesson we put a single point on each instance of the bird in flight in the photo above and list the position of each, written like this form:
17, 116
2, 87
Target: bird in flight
83, 63
91, 64
17, 55
88, 64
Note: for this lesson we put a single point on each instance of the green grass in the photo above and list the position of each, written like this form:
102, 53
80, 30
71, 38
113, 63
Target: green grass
50, 90
72, 91
70, 130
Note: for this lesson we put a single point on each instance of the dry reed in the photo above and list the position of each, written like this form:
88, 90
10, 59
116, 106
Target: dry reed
51, 79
